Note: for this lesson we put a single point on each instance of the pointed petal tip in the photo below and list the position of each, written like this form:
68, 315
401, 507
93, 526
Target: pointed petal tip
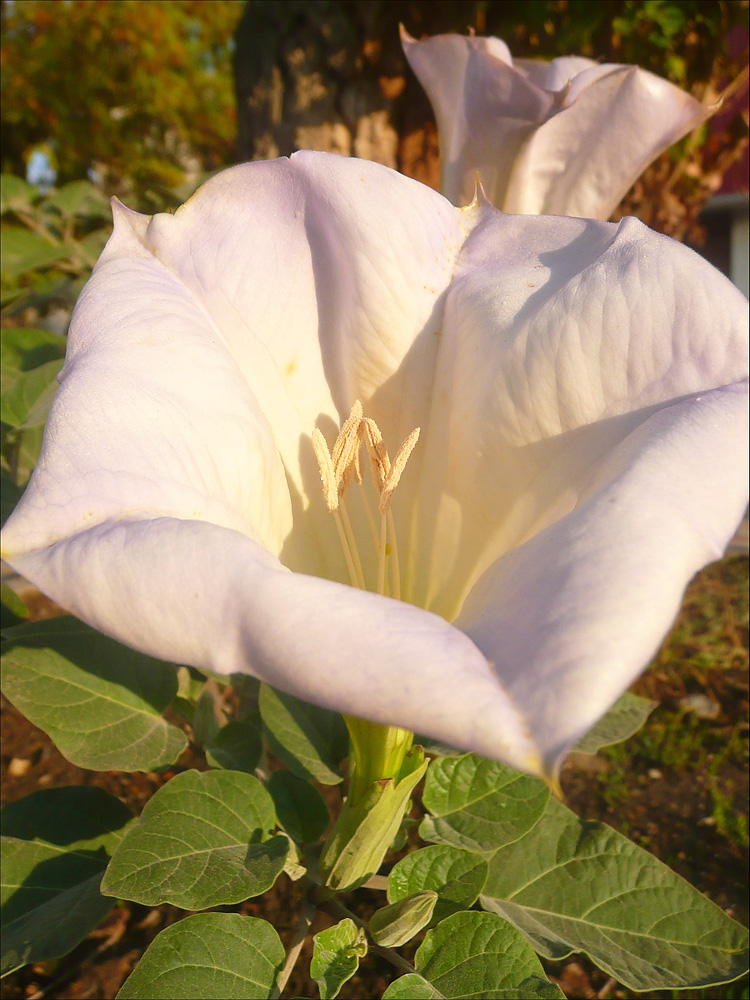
546, 769
406, 38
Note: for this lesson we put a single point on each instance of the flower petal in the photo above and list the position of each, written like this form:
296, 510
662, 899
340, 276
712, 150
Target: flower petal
584, 160
205, 362
570, 618
204, 595
562, 138
561, 336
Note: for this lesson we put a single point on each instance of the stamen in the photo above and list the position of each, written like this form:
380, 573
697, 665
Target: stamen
347, 553
395, 570
394, 474
352, 545
327, 474
346, 449
381, 554
338, 470
379, 460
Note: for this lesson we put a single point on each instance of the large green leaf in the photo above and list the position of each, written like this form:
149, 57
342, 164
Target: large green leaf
98, 701
626, 717
210, 956
478, 804
55, 846
26, 251
457, 876
575, 886
470, 956
201, 841
311, 741
336, 955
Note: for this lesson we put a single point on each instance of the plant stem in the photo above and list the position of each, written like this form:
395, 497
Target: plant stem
306, 917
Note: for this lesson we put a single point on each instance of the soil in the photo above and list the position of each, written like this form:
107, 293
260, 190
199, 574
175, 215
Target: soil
669, 810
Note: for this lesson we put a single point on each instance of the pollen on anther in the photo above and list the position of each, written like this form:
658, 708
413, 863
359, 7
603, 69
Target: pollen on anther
394, 474
327, 475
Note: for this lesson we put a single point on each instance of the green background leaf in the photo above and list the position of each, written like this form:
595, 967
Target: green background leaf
457, 876
201, 841
468, 956
26, 251
300, 808
236, 747
210, 956
336, 955
98, 701
311, 741
575, 886
56, 844
478, 804
626, 717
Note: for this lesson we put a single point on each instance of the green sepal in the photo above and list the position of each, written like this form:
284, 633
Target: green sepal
363, 833
397, 923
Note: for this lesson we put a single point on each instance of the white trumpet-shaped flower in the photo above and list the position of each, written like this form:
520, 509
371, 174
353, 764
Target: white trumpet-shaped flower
566, 137
235, 369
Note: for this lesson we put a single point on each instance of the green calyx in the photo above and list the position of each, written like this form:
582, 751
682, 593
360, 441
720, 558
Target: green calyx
369, 819
377, 753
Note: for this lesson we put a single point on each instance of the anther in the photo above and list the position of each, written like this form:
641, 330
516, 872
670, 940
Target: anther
327, 474
394, 474
380, 463
345, 457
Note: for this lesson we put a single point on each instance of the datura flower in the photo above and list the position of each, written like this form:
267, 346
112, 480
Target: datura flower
442, 469
566, 137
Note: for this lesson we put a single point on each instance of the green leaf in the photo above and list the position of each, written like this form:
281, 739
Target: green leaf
210, 956
201, 841
14, 611
79, 198
468, 955
478, 804
300, 808
15, 194
412, 986
205, 725
23, 348
26, 400
626, 717
311, 741
575, 886
336, 955
397, 923
415, 987
26, 251
99, 702
55, 846
236, 747
457, 876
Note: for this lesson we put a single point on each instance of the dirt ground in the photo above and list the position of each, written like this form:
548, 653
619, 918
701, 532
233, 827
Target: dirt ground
678, 798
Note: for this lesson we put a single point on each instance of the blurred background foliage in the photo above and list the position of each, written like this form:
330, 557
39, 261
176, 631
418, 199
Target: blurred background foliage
138, 93
144, 99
